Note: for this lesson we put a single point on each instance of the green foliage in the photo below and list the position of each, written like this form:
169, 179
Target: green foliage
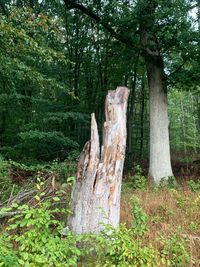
184, 132
193, 226
8, 257
137, 181
189, 205
51, 144
118, 247
56, 67
3, 167
172, 183
65, 170
194, 185
175, 250
17, 175
169, 182
139, 225
34, 96
36, 231
36, 235
123, 246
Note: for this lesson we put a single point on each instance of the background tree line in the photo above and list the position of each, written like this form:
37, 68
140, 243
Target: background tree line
58, 62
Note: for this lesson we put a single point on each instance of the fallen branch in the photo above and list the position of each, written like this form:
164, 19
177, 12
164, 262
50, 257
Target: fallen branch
28, 197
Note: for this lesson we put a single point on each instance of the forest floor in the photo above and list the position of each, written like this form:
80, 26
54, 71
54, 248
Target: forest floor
169, 211
173, 210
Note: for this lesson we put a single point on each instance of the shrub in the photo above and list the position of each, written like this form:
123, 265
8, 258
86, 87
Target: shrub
119, 247
175, 250
172, 183
169, 182
194, 186
8, 257
123, 246
140, 218
137, 181
37, 234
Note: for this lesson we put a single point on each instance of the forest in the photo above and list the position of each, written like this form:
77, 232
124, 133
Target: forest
100, 133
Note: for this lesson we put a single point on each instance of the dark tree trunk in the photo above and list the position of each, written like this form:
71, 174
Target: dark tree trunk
142, 118
131, 116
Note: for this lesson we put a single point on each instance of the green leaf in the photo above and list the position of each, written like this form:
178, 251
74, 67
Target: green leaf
15, 205
37, 198
56, 198
71, 179
28, 215
21, 262
25, 256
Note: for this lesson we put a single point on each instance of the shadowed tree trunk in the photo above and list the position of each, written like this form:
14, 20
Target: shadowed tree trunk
97, 189
131, 115
142, 118
160, 160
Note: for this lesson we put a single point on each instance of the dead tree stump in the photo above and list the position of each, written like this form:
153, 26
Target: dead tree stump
97, 190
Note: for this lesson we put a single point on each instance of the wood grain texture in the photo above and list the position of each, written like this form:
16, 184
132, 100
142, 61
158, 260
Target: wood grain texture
97, 190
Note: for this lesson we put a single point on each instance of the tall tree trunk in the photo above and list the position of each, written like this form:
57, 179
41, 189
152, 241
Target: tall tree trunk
131, 115
97, 189
198, 95
160, 162
142, 118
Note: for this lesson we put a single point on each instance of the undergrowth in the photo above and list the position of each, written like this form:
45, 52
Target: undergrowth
14, 176
159, 228
34, 234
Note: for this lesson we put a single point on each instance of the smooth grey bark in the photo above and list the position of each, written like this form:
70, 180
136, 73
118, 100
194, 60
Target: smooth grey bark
160, 161
97, 190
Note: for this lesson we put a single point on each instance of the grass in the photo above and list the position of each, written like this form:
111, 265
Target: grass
168, 210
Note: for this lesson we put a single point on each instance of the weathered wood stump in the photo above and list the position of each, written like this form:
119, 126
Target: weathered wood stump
97, 190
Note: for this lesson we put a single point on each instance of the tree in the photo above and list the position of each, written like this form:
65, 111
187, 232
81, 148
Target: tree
148, 21
33, 92
89, 68
183, 109
97, 189
160, 164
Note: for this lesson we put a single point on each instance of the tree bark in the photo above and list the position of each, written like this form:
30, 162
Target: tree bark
142, 118
160, 162
131, 115
97, 189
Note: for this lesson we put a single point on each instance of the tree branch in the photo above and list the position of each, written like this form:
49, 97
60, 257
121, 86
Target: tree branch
120, 37
177, 69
